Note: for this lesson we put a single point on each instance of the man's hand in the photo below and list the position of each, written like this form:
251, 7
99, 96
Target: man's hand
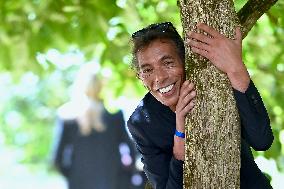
224, 53
183, 107
185, 104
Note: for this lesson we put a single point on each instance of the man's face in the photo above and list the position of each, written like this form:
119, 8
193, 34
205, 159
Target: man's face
161, 71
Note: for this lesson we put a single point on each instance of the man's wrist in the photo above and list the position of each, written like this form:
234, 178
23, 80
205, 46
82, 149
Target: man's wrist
180, 125
239, 79
179, 134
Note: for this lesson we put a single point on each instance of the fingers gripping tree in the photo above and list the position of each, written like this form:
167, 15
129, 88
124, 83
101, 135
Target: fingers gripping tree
212, 158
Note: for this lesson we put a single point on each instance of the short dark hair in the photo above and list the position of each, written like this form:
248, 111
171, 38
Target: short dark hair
145, 36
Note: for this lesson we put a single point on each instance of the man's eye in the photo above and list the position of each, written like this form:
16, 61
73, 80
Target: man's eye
148, 70
169, 64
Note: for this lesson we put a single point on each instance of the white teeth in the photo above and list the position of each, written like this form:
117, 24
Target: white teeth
166, 89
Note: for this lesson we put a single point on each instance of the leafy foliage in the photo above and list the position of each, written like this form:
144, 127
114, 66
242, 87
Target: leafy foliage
33, 86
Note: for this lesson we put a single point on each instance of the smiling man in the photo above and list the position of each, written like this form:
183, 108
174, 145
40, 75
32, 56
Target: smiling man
157, 124
161, 70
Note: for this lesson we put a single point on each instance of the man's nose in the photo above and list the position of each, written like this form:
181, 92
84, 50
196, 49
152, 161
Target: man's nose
161, 75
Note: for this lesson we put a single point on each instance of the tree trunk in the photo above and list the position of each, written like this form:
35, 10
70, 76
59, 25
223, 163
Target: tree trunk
212, 158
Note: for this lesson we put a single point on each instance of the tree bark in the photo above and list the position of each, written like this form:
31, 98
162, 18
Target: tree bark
212, 158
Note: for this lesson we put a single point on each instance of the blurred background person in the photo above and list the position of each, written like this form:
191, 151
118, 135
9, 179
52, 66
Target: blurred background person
93, 149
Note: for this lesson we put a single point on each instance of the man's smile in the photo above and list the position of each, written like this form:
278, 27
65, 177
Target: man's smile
166, 89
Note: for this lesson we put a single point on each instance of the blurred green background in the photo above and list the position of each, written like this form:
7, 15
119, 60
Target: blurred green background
43, 43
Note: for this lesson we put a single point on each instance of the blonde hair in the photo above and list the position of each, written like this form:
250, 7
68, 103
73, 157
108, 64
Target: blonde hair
85, 104
91, 116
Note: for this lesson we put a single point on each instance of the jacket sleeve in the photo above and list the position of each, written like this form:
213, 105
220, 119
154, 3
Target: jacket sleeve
126, 146
63, 149
124, 135
161, 168
255, 121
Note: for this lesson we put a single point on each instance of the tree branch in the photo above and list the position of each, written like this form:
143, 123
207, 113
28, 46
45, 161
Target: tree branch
251, 12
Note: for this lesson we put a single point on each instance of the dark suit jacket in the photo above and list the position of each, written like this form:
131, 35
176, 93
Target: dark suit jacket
152, 126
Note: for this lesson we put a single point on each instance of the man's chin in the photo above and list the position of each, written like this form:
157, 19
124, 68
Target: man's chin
166, 101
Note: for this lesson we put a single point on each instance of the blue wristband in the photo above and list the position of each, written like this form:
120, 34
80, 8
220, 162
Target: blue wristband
179, 134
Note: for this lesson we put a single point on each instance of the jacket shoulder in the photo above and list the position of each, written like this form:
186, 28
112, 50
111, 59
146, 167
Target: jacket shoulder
139, 119
139, 116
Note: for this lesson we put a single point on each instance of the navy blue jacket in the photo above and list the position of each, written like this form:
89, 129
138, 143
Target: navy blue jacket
152, 126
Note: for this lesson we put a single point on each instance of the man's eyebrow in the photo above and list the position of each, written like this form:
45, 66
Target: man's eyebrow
166, 57
145, 65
